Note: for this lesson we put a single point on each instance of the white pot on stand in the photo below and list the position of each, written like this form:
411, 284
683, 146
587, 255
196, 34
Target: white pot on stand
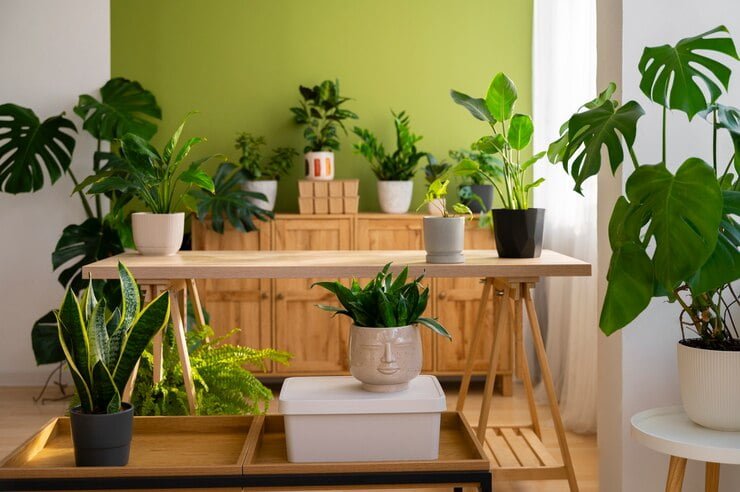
158, 234
395, 196
319, 166
267, 188
385, 359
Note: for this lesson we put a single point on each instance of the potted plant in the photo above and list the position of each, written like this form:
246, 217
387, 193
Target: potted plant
322, 114
516, 226
102, 348
444, 234
673, 234
262, 175
144, 173
394, 171
475, 191
432, 172
385, 351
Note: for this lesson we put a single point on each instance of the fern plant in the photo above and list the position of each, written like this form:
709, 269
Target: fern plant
223, 385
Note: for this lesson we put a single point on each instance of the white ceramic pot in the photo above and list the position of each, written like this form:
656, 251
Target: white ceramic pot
158, 234
444, 239
436, 207
709, 386
385, 359
395, 196
267, 188
319, 165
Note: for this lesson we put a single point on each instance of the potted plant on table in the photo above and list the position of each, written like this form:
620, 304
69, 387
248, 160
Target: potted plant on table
516, 226
322, 114
432, 172
262, 175
444, 234
385, 351
102, 348
394, 171
476, 191
673, 234
142, 172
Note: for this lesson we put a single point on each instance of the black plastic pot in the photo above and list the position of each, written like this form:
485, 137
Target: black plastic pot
518, 232
102, 439
485, 192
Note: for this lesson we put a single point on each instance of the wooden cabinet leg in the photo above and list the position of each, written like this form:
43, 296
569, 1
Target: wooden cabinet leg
507, 384
676, 470
711, 480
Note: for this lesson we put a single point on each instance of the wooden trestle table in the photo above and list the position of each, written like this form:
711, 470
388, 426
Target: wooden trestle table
516, 452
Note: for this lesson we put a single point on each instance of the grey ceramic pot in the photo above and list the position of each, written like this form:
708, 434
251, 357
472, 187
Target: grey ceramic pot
444, 239
385, 359
102, 439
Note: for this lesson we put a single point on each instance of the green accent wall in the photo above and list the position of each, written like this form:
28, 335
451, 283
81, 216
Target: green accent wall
240, 62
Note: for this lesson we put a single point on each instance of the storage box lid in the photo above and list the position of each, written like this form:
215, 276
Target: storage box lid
344, 395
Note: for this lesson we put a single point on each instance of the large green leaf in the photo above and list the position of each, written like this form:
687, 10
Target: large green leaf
678, 77
130, 298
73, 336
83, 387
198, 177
26, 143
124, 107
520, 131
684, 211
45, 340
590, 131
98, 333
476, 106
501, 97
630, 287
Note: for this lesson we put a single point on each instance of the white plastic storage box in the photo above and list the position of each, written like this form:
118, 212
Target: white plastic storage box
331, 418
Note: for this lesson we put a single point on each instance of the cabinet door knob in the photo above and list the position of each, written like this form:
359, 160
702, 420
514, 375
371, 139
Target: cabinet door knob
264, 295
442, 295
279, 296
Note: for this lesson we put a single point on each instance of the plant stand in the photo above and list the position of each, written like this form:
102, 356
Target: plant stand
517, 451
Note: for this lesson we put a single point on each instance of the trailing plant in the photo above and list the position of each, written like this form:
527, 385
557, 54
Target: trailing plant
223, 386
436, 196
673, 234
401, 164
152, 177
435, 169
257, 168
101, 346
512, 133
383, 302
322, 114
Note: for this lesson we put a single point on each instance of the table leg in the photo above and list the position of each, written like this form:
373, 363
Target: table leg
178, 325
676, 470
521, 358
712, 477
474, 342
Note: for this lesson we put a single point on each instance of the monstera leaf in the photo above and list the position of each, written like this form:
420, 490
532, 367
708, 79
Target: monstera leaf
26, 143
678, 77
45, 340
124, 107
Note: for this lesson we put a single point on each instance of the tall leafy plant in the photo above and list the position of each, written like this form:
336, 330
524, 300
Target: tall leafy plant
672, 234
322, 115
258, 168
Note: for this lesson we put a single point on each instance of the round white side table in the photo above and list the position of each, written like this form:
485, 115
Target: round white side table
668, 430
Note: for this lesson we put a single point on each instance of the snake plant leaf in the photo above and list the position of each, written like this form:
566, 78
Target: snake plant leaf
124, 107
98, 334
590, 131
678, 77
130, 298
45, 340
82, 386
501, 97
435, 326
28, 146
74, 342
520, 131
684, 211
104, 390
476, 106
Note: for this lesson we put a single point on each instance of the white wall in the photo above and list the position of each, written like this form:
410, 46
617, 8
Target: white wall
52, 52
648, 345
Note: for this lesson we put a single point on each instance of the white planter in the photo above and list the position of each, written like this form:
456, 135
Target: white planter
158, 234
385, 359
710, 390
267, 188
319, 165
444, 239
395, 196
435, 207
330, 418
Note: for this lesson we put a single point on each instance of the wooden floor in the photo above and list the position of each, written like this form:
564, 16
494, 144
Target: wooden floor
20, 417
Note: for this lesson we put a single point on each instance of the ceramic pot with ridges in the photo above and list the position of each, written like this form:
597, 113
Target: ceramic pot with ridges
384, 360
102, 439
267, 188
395, 196
444, 239
518, 233
158, 234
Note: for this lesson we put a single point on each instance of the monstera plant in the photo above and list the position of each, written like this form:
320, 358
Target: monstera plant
673, 234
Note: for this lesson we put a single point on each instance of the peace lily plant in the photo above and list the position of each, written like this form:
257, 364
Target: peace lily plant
673, 234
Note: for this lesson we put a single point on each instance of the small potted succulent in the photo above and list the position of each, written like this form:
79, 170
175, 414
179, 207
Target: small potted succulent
517, 227
102, 348
321, 113
385, 350
444, 234
432, 172
143, 172
476, 191
394, 171
262, 175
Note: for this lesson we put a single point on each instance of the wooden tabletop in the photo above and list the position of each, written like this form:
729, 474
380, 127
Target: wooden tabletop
339, 264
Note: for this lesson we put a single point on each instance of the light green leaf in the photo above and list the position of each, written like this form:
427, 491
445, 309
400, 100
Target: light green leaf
476, 107
501, 97
520, 131
532, 160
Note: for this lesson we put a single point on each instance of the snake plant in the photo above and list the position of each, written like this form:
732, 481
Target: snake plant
103, 346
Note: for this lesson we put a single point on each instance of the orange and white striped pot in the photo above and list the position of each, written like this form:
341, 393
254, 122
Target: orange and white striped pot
319, 166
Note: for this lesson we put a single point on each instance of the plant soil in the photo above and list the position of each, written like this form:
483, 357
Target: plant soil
731, 345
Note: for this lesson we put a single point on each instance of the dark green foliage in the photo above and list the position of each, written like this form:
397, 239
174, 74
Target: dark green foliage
321, 112
383, 302
257, 168
488, 165
401, 164
434, 168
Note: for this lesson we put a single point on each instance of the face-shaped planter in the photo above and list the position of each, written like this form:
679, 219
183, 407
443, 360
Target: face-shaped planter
385, 359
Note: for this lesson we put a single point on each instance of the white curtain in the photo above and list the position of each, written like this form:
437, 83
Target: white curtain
564, 77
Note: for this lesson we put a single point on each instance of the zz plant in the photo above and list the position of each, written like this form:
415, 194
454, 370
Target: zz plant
102, 346
383, 302
322, 114
672, 234
401, 164
255, 167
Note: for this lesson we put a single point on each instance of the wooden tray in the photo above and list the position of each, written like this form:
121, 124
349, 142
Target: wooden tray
161, 446
458, 451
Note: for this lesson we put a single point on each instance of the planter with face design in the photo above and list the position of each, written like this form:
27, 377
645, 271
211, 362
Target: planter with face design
385, 359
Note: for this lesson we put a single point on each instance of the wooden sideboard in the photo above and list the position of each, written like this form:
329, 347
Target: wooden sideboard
281, 313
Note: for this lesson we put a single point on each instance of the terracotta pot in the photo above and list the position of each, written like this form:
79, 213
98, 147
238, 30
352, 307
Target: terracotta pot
444, 239
395, 196
385, 359
267, 188
158, 234
319, 165
102, 439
